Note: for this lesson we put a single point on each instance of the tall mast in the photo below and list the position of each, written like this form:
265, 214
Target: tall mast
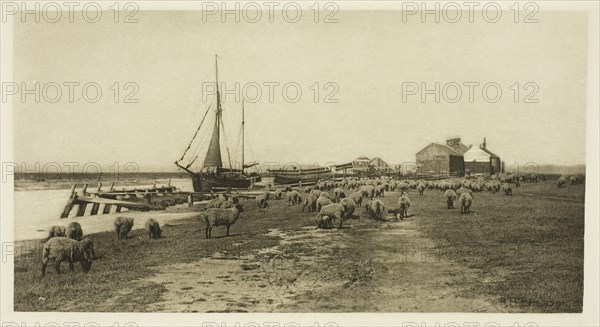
243, 132
218, 97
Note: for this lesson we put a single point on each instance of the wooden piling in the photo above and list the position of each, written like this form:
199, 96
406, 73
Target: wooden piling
81, 209
112, 186
95, 208
118, 208
70, 203
106, 209
190, 200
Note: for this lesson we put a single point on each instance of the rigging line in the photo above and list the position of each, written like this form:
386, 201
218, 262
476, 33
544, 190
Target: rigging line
203, 136
188, 166
226, 143
197, 130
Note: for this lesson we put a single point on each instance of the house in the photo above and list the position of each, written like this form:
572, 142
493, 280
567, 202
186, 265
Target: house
442, 160
480, 160
379, 165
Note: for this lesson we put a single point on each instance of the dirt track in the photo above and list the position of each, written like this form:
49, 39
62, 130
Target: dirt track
302, 274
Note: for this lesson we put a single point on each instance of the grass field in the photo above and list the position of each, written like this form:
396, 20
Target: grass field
510, 254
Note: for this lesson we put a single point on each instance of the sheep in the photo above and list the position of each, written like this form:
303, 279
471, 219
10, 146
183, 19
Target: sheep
217, 202
379, 191
59, 249
293, 197
56, 231
368, 191
376, 209
321, 202
74, 231
333, 211
324, 222
465, 190
338, 194
261, 201
357, 197
562, 181
507, 189
465, 200
349, 206
267, 195
421, 188
316, 192
403, 205
278, 194
220, 217
324, 195
153, 228
450, 196
123, 226
310, 201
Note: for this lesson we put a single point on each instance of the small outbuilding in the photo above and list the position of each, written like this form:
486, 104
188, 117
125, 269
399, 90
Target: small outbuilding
480, 160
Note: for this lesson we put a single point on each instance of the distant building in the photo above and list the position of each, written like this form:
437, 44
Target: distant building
480, 160
441, 160
380, 165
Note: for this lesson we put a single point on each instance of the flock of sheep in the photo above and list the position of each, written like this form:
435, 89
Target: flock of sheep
348, 194
68, 244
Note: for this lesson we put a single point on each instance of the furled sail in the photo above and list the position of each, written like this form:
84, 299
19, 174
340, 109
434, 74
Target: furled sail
213, 156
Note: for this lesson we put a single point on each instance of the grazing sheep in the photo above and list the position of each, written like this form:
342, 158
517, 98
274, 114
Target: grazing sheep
368, 191
376, 209
123, 226
293, 197
56, 231
324, 222
507, 189
324, 195
465, 200
464, 190
333, 211
562, 181
310, 201
59, 249
261, 201
278, 194
153, 228
321, 202
338, 194
421, 188
349, 206
403, 205
450, 198
267, 195
74, 231
379, 191
221, 217
357, 197
217, 202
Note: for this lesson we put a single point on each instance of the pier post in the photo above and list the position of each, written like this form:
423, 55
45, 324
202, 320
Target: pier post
95, 208
70, 203
83, 192
118, 208
112, 186
106, 209
191, 200
81, 209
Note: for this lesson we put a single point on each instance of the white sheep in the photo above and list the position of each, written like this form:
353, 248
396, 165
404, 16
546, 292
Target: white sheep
293, 197
349, 206
123, 225
421, 188
376, 209
332, 211
59, 249
357, 197
338, 194
310, 201
261, 201
56, 231
220, 217
321, 202
74, 231
507, 189
403, 205
450, 196
465, 200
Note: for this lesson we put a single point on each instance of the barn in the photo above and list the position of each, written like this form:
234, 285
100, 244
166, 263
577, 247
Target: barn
480, 160
379, 165
442, 160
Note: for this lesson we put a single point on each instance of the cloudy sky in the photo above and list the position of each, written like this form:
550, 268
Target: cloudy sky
369, 56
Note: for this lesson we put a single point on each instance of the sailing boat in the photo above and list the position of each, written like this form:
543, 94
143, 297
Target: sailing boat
213, 176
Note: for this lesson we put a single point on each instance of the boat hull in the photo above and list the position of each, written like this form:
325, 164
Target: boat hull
297, 177
206, 183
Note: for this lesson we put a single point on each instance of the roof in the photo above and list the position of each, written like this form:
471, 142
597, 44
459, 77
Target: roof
478, 154
378, 162
362, 158
442, 147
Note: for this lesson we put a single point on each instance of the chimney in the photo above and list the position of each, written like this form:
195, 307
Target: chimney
484, 144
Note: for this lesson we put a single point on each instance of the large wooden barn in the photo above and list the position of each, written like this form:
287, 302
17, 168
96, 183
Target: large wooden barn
441, 160
480, 160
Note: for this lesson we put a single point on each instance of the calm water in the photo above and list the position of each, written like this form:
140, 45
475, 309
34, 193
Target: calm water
37, 210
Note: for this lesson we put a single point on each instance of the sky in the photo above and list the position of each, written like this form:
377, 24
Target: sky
370, 58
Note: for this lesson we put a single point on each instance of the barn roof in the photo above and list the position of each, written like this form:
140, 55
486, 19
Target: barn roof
378, 162
442, 148
479, 154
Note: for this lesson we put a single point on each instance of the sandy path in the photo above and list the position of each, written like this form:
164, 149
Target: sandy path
302, 274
